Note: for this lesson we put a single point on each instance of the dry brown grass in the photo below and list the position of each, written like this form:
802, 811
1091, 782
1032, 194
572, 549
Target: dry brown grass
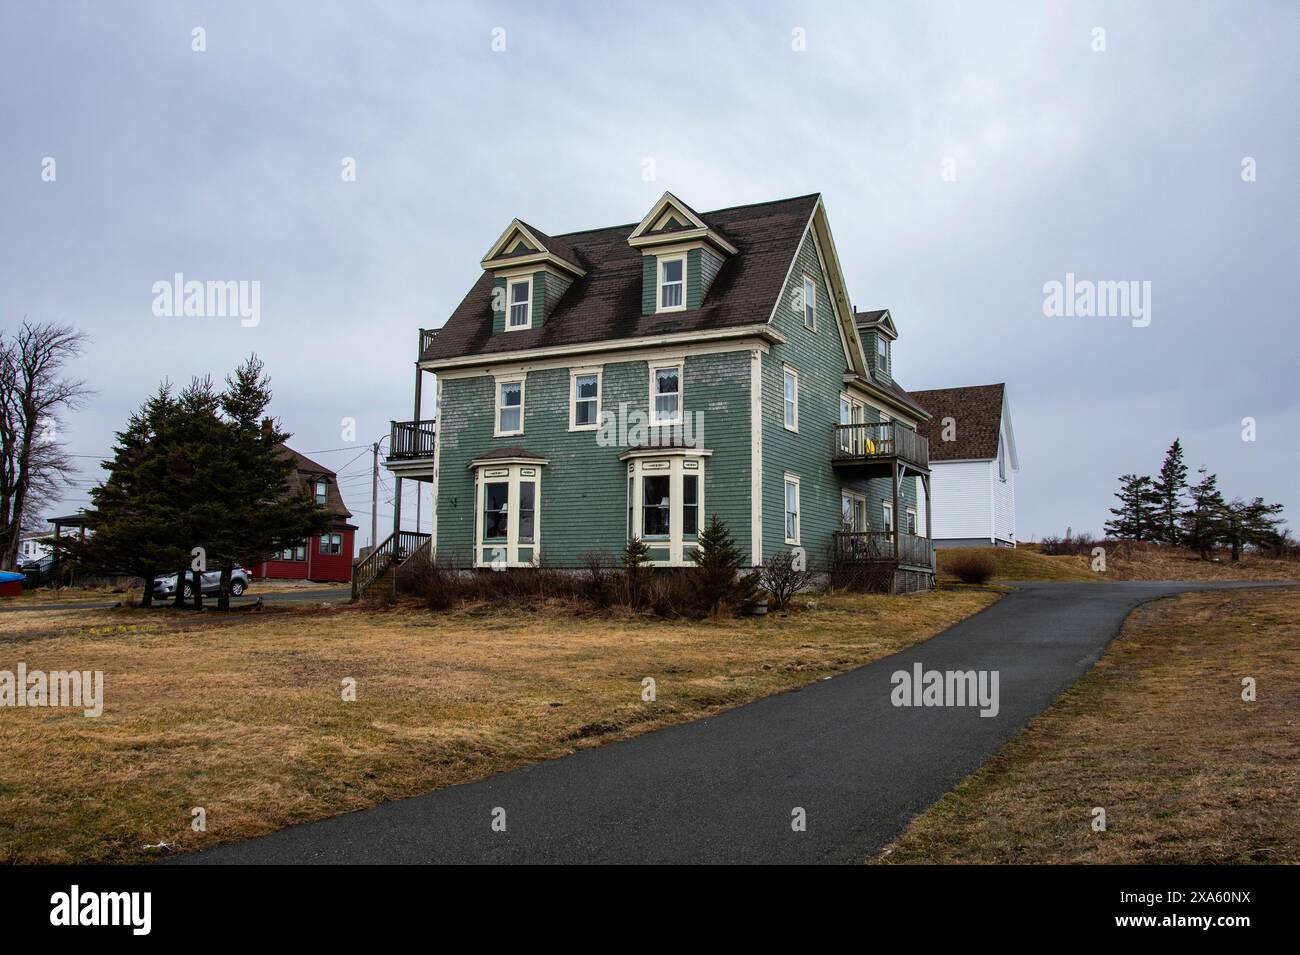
1145, 561
1018, 563
1157, 735
241, 713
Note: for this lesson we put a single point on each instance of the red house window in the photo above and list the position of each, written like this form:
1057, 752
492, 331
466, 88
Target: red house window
331, 543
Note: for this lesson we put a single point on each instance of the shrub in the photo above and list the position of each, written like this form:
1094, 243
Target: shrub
719, 581
599, 583
636, 567
971, 567
780, 578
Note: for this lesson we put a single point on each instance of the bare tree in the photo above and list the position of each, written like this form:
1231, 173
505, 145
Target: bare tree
34, 392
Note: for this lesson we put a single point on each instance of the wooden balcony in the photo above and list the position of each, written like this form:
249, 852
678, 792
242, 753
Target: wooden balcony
411, 440
427, 335
870, 547
879, 443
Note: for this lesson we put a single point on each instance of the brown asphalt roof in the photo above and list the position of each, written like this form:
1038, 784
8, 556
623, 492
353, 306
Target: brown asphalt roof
605, 304
977, 412
305, 471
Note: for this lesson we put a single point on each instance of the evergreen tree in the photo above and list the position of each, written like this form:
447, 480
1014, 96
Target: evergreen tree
1201, 525
201, 470
721, 583
1135, 517
259, 517
135, 518
636, 565
1251, 523
1170, 486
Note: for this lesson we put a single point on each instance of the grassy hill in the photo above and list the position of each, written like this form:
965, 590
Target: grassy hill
1125, 561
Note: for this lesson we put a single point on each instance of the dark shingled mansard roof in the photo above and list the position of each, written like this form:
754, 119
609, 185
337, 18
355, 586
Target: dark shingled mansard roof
977, 412
605, 304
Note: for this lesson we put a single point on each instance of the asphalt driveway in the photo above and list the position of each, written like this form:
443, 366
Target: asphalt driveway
724, 789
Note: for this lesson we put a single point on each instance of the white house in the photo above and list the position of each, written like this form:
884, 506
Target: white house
31, 548
973, 464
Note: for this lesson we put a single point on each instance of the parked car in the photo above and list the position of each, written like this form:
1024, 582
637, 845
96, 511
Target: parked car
166, 586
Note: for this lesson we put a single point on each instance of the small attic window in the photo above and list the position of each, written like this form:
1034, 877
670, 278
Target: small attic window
521, 295
809, 304
882, 353
672, 284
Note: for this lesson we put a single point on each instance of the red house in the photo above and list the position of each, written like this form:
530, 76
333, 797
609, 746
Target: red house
324, 558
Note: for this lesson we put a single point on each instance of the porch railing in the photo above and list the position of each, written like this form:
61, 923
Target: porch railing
394, 550
873, 546
870, 440
411, 439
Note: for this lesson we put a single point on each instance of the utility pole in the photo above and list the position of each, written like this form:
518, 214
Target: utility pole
374, 497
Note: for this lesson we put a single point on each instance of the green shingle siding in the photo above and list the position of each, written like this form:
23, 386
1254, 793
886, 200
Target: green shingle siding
649, 278
694, 285
583, 502
819, 359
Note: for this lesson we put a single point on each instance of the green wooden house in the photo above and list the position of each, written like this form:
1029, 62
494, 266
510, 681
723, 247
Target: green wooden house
632, 381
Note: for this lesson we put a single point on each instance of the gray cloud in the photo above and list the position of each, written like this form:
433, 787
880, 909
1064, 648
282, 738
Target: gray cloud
1116, 165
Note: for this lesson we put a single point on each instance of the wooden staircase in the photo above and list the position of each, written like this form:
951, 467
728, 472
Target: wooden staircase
382, 563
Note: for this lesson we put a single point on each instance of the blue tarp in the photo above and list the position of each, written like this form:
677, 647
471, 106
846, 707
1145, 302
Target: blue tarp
6, 577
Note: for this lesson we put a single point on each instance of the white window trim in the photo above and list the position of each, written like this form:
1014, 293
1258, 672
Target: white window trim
798, 509
882, 353
510, 284
808, 280
1002, 458
655, 368
856, 497
677, 466
513, 474
887, 509
574, 375
496, 417
659, 283
914, 522
791, 372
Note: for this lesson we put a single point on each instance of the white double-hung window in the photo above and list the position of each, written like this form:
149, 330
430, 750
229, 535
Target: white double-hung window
666, 394
791, 399
809, 304
510, 407
584, 399
791, 509
672, 283
521, 306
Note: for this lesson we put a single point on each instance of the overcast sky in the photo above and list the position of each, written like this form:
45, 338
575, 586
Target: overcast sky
1117, 164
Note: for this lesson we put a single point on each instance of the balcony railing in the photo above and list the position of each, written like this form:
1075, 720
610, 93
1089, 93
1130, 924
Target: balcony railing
877, 546
879, 440
411, 439
427, 335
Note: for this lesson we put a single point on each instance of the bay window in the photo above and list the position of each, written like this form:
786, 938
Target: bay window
665, 501
507, 527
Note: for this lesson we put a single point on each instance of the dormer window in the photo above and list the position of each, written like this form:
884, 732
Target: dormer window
672, 284
322, 493
882, 353
521, 304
